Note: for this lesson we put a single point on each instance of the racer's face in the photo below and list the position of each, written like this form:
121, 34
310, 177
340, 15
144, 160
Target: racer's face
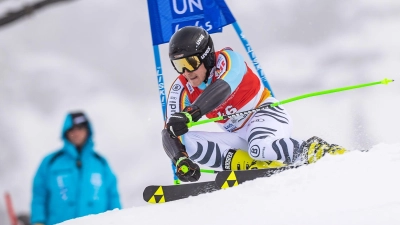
196, 77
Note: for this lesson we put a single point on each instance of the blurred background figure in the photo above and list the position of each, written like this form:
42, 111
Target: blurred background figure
74, 181
98, 56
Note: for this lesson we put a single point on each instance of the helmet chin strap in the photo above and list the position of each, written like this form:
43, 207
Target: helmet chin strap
210, 65
207, 75
206, 79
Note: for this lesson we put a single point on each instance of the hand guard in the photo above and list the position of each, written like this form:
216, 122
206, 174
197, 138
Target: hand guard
177, 123
194, 111
186, 170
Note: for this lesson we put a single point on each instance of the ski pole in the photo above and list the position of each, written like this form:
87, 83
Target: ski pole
209, 171
384, 81
185, 169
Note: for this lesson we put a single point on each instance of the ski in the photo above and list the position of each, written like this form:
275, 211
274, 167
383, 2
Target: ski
224, 179
168, 193
228, 178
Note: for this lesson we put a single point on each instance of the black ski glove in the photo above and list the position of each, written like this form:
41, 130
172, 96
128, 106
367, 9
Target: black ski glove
177, 122
187, 171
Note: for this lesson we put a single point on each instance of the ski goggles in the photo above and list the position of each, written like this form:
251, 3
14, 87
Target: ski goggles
190, 63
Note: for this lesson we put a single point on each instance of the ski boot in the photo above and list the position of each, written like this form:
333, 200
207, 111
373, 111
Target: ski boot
241, 160
315, 148
336, 150
265, 164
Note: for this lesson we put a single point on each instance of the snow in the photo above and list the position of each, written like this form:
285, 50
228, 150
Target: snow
97, 56
358, 188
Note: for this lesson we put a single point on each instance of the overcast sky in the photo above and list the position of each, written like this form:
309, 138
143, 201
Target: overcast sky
97, 56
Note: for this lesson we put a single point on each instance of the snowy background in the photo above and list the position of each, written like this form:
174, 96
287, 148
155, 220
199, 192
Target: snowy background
96, 55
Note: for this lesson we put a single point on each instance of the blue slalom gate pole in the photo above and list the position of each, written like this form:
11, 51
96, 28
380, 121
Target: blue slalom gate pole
252, 56
163, 99
160, 80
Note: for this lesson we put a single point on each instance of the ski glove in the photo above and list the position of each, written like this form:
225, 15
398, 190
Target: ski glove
186, 170
177, 122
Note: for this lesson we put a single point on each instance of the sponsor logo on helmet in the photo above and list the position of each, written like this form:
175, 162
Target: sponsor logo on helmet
178, 56
206, 52
199, 40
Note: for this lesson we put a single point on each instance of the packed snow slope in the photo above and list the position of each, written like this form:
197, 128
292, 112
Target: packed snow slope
97, 56
355, 188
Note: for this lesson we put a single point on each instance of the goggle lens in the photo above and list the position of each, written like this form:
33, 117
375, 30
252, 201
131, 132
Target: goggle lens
190, 63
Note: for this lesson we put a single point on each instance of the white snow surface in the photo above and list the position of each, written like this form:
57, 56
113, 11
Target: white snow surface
355, 188
97, 56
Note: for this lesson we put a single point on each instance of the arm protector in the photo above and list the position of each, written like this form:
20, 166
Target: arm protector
213, 96
172, 146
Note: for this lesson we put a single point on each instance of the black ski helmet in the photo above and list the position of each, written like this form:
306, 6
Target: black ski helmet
190, 41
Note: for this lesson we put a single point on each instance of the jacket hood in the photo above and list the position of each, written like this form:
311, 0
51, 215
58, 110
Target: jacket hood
74, 119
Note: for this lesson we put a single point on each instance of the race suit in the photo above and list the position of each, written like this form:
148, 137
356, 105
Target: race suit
266, 134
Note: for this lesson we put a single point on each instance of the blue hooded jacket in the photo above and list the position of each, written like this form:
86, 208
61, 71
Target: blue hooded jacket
69, 184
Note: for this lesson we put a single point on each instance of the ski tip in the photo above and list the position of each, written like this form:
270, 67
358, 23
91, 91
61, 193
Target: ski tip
154, 195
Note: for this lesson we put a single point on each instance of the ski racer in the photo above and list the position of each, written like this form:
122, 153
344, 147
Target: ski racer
215, 83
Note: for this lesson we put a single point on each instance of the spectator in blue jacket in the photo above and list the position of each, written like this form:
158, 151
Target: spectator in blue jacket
74, 181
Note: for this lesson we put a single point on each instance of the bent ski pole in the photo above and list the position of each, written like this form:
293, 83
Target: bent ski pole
384, 81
